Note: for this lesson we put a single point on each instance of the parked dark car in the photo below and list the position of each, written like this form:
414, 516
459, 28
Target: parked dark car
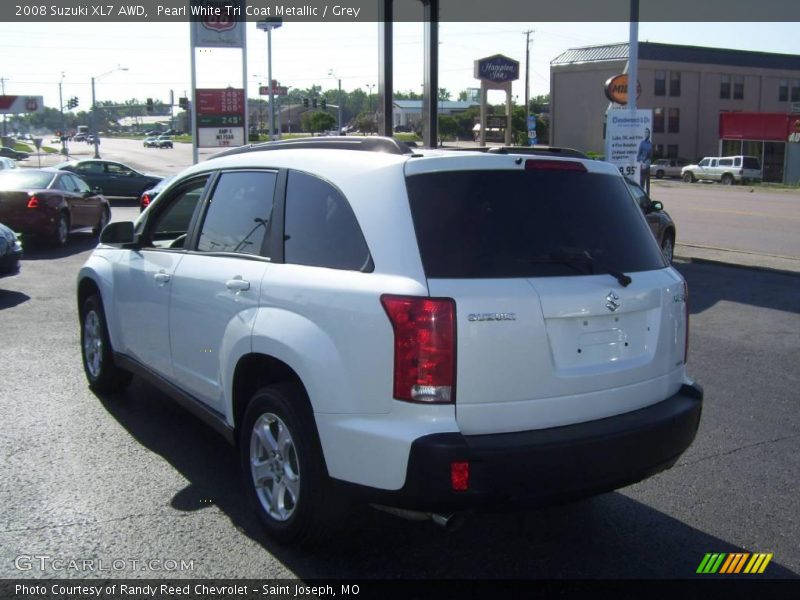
113, 178
661, 224
149, 195
10, 252
49, 203
11, 153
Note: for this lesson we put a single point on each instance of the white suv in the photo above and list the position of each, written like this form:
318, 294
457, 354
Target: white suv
427, 332
725, 169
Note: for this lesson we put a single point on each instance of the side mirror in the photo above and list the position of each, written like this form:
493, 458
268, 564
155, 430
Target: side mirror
118, 234
656, 206
97, 190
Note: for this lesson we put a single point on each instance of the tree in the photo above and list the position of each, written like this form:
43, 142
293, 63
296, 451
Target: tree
366, 122
317, 122
448, 127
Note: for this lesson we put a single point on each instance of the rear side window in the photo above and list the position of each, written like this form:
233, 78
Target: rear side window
239, 213
725, 162
751, 162
321, 229
492, 224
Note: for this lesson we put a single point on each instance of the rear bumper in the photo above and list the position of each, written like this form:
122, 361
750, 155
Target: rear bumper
540, 467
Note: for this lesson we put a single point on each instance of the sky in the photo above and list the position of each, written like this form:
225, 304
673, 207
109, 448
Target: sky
156, 56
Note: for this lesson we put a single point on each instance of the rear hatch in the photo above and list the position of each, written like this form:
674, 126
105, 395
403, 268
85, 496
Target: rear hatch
565, 308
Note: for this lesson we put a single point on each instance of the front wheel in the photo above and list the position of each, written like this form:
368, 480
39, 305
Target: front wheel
98, 357
668, 247
283, 467
688, 178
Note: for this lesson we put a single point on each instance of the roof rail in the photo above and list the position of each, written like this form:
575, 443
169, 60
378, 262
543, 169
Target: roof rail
386, 145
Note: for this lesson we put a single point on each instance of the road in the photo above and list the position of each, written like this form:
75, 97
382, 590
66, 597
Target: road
134, 477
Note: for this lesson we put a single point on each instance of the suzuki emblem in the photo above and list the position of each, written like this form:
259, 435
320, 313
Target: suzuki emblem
612, 301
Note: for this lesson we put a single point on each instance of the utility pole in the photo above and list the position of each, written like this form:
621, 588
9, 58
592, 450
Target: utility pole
63, 123
527, 74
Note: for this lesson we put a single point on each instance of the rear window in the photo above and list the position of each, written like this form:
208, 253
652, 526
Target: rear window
751, 162
492, 224
24, 180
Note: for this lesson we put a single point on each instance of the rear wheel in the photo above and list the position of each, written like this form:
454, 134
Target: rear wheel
727, 179
659, 174
61, 236
688, 178
105, 217
98, 357
283, 467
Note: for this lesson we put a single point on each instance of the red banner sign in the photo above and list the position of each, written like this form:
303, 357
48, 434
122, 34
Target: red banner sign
220, 102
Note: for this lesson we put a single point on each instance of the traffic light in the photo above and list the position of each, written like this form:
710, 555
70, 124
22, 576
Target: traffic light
305, 102
323, 103
183, 102
150, 106
313, 103
72, 102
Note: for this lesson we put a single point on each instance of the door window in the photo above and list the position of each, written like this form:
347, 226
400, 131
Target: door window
117, 169
171, 223
239, 213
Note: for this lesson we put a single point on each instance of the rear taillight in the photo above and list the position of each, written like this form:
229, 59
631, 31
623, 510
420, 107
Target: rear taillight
33, 202
686, 316
459, 476
145, 201
554, 165
424, 347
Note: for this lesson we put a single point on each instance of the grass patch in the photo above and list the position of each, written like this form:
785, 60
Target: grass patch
20, 147
407, 137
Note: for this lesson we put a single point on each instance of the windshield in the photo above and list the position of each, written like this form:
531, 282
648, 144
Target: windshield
492, 224
24, 180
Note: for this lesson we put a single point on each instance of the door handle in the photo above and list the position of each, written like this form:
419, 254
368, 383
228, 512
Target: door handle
161, 277
238, 284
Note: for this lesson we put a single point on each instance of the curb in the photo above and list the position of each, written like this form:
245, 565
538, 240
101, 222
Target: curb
735, 265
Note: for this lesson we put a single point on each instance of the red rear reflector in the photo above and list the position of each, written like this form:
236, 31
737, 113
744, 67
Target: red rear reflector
33, 202
424, 347
554, 165
459, 476
145, 201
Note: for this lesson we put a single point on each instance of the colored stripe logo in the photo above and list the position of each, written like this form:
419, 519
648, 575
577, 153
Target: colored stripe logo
735, 563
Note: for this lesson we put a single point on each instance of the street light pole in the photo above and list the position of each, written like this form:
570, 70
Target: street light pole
63, 123
94, 110
339, 79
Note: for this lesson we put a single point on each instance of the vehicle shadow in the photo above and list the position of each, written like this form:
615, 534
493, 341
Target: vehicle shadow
609, 536
40, 250
708, 284
10, 298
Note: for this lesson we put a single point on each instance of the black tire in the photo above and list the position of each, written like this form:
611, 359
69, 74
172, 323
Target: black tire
105, 217
97, 355
659, 174
61, 235
727, 179
688, 178
668, 246
307, 510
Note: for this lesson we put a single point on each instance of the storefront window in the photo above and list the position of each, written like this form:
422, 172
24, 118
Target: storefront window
738, 87
672, 151
658, 120
674, 83
731, 147
724, 86
753, 148
674, 125
660, 88
658, 151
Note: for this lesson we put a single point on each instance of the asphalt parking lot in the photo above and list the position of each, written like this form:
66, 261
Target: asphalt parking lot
135, 477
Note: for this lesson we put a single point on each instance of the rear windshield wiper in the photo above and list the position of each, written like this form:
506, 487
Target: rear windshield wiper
571, 257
